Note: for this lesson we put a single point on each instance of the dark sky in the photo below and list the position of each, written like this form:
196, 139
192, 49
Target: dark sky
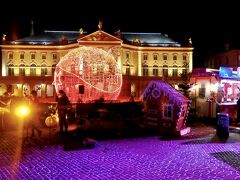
209, 25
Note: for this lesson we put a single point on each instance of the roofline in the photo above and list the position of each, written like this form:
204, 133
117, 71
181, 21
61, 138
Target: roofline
138, 33
62, 31
116, 38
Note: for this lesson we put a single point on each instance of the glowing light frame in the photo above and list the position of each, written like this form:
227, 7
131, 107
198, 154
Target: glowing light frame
94, 68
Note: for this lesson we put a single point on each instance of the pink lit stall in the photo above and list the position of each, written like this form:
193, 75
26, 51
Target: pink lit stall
165, 109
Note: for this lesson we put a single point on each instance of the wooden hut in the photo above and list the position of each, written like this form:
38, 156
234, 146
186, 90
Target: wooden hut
165, 108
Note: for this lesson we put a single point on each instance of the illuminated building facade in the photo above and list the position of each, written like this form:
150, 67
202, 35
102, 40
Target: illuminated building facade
29, 63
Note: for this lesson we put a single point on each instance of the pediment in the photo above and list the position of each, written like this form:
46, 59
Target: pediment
99, 36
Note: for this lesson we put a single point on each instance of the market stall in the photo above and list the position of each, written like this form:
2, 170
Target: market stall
228, 92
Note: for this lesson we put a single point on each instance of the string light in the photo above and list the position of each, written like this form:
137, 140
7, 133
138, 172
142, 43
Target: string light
94, 68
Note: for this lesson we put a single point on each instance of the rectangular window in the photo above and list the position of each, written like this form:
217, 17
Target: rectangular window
165, 57
155, 72
202, 92
128, 70
184, 57
174, 57
54, 56
22, 55
175, 72
44, 55
145, 72
155, 57
127, 55
145, 57
168, 111
33, 56
10, 55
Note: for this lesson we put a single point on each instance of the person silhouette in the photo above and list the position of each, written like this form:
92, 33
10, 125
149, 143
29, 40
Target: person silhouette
63, 104
34, 116
5, 100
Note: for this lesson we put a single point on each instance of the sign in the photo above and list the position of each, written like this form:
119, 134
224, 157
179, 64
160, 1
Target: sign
227, 72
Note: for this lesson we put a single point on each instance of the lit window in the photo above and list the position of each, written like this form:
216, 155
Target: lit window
44, 69
202, 91
54, 56
53, 68
145, 70
33, 70
145, 57
174, 57
127, 70
165, 71
10, 55
22, 70
155, 56
10, 70
155, 70
175, 71
165, 57
127, 55
184, 57
33, 56
44, 55
21, 55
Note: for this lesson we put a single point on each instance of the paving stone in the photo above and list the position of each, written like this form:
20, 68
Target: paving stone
198, 155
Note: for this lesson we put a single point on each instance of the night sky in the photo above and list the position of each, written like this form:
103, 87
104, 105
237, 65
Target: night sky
209, 26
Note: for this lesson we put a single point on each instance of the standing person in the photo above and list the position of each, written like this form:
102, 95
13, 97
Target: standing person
62, 106
34, 116
5, 100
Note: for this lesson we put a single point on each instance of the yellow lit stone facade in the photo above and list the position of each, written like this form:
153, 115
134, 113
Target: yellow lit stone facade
174, 60
29, 63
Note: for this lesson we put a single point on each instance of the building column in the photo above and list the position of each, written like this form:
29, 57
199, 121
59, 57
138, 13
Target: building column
139, 63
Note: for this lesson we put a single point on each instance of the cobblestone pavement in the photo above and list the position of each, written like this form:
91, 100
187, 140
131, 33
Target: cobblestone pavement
198, 155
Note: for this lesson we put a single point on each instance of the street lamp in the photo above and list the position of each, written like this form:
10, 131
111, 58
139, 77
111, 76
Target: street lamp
23, 111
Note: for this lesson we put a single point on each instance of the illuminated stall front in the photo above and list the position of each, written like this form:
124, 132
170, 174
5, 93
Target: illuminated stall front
228, 91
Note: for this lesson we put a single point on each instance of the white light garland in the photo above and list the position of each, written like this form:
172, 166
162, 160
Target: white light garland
93, 68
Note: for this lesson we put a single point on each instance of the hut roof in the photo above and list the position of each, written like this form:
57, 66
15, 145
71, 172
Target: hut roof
156, 87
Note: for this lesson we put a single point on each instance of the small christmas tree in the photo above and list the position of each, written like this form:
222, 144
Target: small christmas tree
185, 88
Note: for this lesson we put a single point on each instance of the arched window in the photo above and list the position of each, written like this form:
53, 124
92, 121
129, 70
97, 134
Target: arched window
22, 70
165, 57
145, 70
184, 71
184, 57
127, 69
155, 70
165, 71
10, 70
175, 57
33, 70
175, 71
44, 69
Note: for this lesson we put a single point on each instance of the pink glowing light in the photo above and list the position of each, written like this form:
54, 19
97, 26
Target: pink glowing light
94, 69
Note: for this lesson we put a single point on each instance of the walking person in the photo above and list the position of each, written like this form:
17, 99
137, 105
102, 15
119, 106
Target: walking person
63, 104
34, 116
